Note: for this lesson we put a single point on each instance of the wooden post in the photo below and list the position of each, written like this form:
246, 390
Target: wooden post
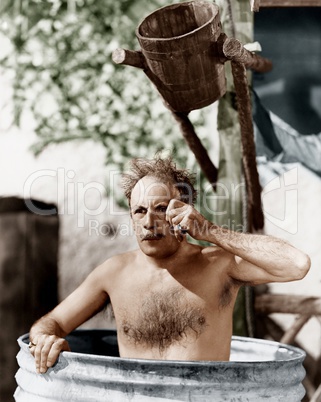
196, 146
247, 137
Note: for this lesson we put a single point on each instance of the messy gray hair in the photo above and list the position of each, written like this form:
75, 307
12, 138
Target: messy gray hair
163, 169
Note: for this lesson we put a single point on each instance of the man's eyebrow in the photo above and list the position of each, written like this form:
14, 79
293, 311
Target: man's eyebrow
138, 206
162, 203
159, 204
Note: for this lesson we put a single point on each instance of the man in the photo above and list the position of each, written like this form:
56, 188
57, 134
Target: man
171, 299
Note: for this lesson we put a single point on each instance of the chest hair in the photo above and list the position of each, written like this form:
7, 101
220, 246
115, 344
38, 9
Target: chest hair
164, 318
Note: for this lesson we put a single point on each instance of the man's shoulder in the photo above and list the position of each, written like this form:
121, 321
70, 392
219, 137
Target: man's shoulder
209, 256
218, 263
114, 267
120, 260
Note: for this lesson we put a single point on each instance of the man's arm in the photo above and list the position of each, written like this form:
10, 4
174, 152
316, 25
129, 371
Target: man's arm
47, 334
257, 258
47, 341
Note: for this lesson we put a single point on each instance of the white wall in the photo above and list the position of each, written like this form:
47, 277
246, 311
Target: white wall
291, 202
74, 177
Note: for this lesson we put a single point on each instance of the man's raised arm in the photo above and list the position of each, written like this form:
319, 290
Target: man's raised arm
257, 258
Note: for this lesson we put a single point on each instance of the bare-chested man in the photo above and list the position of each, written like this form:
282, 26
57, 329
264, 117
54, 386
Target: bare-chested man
171, 299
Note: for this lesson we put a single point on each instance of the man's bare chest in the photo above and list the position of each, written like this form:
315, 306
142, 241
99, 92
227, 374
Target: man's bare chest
159, 318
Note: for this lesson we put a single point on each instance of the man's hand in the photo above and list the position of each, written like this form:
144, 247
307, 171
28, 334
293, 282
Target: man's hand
46, 349
186, 219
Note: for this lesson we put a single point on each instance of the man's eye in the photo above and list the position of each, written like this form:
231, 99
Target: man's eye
140, 211
161, 209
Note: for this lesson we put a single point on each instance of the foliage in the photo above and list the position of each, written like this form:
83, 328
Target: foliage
63, 73
61, 58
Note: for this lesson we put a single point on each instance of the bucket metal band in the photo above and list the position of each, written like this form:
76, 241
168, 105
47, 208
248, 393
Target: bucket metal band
192, 51
193, 85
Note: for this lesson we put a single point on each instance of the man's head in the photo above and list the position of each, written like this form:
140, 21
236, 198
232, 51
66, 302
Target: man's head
149, 187
165, 171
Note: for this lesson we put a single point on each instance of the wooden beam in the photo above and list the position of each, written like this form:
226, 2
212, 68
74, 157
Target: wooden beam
128, 57
290, 3
292, 332
255, 5
287, 304
234, 50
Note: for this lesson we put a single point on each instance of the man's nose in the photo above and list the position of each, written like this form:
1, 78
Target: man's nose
149, 221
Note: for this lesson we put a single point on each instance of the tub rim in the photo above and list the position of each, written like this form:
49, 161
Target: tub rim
298, 354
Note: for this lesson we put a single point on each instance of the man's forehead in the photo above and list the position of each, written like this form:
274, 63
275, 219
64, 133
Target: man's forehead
151, 189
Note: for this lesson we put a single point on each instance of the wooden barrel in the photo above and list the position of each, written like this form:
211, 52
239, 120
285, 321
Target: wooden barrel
179, 43
28, 275
259, 370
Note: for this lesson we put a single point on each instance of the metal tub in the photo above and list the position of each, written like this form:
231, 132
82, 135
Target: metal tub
259, 370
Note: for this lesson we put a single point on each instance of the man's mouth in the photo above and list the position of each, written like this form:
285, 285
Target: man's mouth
156, 236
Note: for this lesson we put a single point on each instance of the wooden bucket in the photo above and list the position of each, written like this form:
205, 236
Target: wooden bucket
179, 43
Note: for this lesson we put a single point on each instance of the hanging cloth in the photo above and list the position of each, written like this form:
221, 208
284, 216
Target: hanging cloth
278, 141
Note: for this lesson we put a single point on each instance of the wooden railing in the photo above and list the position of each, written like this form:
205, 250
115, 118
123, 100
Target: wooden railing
304, 308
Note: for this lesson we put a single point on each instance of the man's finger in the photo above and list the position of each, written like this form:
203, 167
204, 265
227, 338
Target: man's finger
177, 220
55, 350
173, 207
37, 354
175, 203
43, 357
174, 215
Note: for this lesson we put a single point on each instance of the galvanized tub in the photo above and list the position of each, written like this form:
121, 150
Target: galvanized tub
258, 371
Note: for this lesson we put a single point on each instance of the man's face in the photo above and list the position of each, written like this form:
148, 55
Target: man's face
149, 201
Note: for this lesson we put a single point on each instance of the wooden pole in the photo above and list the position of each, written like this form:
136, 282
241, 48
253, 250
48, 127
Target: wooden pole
196, 146
256, 216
